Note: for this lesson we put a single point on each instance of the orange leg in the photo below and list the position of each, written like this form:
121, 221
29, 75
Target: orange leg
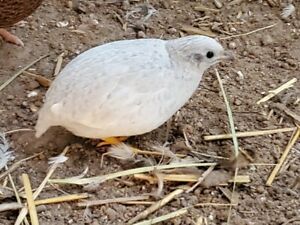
111, 141
8, 37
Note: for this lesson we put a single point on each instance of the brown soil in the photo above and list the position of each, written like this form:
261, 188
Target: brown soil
267, 59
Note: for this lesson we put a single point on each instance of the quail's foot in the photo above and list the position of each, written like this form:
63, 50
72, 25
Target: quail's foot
8, 37
112, 141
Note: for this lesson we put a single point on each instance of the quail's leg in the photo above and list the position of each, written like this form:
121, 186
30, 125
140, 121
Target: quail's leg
111, 141
8, 37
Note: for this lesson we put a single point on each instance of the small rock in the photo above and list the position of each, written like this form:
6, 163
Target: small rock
232, 45
10, 97
32, 84
266, 40
260, 189
237, 102
141, 34
41, 208
111, 214
172, 30
62, 24
218, 4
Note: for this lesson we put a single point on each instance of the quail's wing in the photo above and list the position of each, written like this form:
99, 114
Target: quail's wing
114, 84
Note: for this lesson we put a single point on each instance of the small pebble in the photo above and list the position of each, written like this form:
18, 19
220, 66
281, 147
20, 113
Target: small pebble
10, 97
141, 34
232, 45
62, 24
41, 208
266, 40
260, 189
218, 4
172, 30
237, 102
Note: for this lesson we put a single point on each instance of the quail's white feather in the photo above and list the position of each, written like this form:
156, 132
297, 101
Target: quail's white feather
128, 87
5, 154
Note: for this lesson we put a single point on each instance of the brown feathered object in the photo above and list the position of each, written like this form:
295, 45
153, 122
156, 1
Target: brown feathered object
13, 11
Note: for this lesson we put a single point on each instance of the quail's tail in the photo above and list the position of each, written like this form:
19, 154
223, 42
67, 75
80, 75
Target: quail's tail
44, 122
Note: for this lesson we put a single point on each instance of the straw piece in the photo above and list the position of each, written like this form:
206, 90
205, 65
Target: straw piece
214, 204
30, 201
168, 216
2, 86
248, 134
112, 200
10, 206
65, 198
283, 157
58, 64
276, 91
24, 211
156, 206
186, 178
230, 116
138, 203
248, 33
99, 179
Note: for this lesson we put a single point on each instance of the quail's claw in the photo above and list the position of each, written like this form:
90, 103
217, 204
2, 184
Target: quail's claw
111, 141
8, 37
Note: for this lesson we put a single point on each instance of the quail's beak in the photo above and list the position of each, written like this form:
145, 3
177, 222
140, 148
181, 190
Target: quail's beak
227, 55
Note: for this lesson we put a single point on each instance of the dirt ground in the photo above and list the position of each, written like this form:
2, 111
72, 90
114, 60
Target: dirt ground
266, 59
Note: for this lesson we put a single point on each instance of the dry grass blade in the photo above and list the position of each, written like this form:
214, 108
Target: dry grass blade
10, 206
283, 157
30, 201
99, 179
18, 130
187, 178
232, 197
201, 178
248, 134
168, 216
67, 198
58, 64
276, 91
112, 200
20, 72
156, 206
230, 116
138, 203
248, 33
39, 78
59, 199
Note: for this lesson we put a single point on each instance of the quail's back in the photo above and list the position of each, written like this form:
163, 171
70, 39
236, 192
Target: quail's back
125, 88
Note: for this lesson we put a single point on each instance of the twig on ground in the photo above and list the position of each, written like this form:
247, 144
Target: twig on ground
248, 134
20, 72
248, 33
156, 206
276, 91
30, 200
291, 143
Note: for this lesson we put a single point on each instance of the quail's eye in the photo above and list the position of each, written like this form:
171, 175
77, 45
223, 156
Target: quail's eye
210, 54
